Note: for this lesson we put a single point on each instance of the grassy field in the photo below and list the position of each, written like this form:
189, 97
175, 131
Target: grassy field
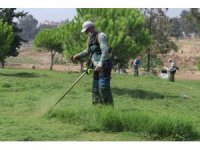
146, 108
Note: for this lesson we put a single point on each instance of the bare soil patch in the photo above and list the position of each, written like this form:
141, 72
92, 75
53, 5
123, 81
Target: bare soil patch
186, 58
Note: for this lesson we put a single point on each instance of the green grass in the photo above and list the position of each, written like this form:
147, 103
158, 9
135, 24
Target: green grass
146, 108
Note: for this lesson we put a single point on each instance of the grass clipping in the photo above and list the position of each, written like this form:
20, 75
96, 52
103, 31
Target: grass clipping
111, 120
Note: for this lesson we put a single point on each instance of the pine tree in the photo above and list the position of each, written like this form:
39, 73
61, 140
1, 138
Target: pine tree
124, 28
6, 38
8, 15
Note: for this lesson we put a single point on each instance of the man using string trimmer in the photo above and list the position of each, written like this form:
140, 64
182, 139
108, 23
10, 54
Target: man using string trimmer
97, 48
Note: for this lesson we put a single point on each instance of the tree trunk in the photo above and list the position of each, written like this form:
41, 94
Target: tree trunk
149, 49
2, 63
52, 56
148, 60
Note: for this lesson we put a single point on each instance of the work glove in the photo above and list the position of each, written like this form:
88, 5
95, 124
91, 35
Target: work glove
98, 67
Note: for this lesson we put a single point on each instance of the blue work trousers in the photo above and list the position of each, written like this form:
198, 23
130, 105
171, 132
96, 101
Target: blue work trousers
101, 91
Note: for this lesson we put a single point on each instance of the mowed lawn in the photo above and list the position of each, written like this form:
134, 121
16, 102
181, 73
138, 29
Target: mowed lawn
146, 108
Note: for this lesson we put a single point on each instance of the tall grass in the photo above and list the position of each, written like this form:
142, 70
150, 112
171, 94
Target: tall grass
110, 120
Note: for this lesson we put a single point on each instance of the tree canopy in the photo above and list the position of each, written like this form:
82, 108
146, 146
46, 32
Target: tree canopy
8, 15
124, 28
195, 13
130, 31
159, 27
6, 38
51, 40
28, 24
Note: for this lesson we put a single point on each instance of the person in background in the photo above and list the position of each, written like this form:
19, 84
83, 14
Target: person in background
171, 70
136, 65
98, 49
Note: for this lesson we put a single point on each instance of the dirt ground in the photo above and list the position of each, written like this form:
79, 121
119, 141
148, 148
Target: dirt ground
186, 58
188, 75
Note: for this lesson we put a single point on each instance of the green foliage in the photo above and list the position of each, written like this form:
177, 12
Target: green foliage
159, 27
195, 12
28, 24
176, 28
74, 40
188, 24
6, 38
154, 63
8, 15
195, 15
123, 27
51, 40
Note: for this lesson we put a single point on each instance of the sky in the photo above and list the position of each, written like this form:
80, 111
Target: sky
61, 14
175, 12
51, 14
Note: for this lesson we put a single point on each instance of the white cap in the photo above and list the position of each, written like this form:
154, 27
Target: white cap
169, 60
86, 25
